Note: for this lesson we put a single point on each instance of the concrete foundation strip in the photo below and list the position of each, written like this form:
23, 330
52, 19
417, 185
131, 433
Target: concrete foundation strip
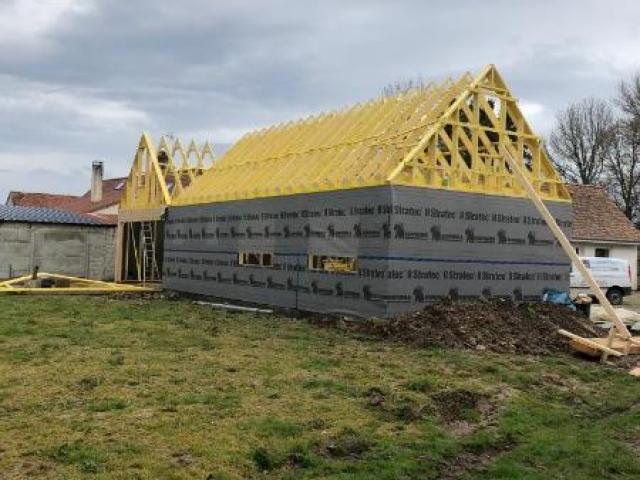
228, 306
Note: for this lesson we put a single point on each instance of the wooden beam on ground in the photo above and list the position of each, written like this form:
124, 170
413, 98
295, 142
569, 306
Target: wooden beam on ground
591, 343
72, 291
75, 285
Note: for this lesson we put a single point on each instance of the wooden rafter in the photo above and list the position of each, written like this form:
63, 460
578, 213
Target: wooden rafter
440, 136
158, 174
470, 136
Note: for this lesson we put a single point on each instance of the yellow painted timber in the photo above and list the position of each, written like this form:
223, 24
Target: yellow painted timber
76, 285
448, 136
159, 174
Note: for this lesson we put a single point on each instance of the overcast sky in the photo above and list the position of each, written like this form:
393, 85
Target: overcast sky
81, 79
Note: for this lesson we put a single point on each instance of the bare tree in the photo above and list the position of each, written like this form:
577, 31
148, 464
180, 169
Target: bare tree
623, 168
629, 97
581, 140
623, 162
401, 87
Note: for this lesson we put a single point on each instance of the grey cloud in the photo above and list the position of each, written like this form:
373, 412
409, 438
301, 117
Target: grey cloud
215, 68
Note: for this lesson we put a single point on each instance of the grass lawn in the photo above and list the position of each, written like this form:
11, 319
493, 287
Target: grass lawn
126, 389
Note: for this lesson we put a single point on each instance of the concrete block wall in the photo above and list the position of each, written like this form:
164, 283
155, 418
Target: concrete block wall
77, 250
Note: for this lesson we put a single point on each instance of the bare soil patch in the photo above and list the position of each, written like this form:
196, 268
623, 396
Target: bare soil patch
495, 325
471, 461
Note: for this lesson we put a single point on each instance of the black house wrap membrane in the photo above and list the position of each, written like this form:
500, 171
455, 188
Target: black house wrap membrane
411, 245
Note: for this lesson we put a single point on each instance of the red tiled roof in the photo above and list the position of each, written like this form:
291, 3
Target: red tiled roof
597, 217
51, 200
103, 218
110, 196
112, 190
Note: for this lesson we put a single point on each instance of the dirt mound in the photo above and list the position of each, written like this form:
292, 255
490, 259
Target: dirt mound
495, 325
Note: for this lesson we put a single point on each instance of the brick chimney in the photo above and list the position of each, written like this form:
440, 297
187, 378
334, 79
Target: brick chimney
96, 181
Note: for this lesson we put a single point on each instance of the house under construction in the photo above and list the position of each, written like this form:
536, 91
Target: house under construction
374, 209
157, 176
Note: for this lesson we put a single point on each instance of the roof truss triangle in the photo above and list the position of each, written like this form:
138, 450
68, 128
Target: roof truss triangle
446, 136
462, 150
159, 175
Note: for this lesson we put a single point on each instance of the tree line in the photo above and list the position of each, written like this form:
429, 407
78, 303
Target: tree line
597, 142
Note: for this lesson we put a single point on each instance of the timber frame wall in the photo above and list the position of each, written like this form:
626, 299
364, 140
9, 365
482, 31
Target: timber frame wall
371, 251
157, 176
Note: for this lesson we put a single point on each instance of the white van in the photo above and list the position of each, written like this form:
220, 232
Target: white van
613, 276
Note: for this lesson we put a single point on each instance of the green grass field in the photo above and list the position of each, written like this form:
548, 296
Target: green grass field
126, 389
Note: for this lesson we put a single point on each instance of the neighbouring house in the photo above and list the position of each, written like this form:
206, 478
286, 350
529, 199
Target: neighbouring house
57, 241
101, 202
66, 234
600, 229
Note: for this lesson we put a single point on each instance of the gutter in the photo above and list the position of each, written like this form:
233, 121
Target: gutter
606, 240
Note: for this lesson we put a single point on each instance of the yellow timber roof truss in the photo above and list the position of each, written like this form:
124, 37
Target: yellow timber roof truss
445, 136
159, 175
463, 150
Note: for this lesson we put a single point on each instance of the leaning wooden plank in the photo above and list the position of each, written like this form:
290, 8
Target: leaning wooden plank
590, 343
564, 242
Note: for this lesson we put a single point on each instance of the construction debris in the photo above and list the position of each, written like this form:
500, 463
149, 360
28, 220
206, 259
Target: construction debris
630, 318
493, 325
